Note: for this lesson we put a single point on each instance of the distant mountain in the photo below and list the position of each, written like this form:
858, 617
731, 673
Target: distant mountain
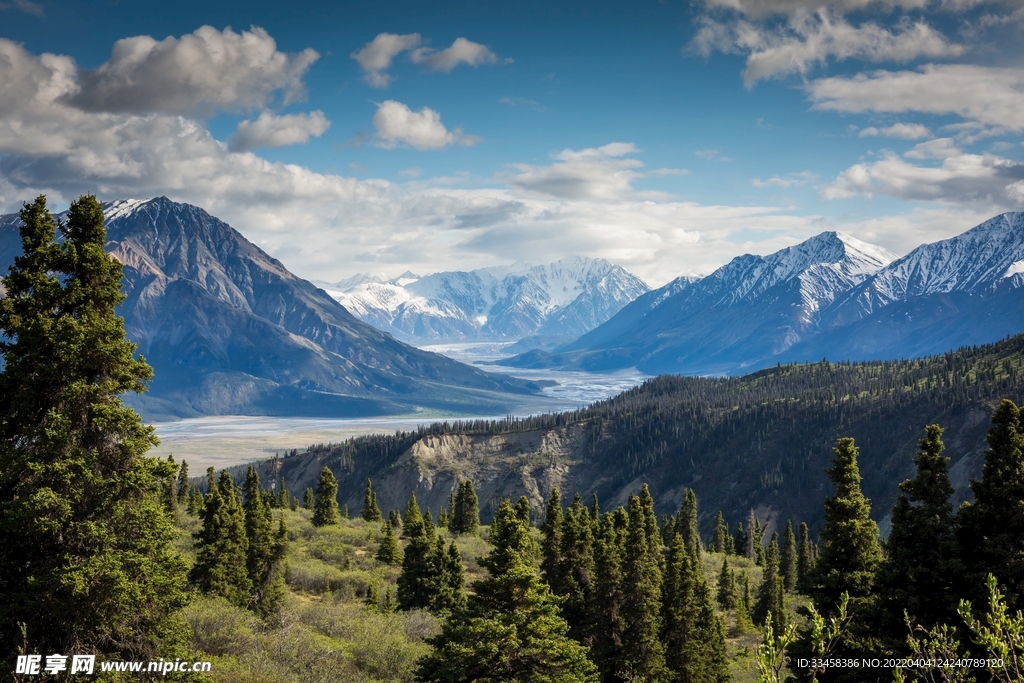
558, 301
229, 330
742, 315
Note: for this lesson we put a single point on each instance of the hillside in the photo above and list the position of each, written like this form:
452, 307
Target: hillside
229, 329
758, 441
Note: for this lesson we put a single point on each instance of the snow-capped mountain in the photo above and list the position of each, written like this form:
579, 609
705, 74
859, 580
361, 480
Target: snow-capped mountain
229, 330
750, 309
566, 299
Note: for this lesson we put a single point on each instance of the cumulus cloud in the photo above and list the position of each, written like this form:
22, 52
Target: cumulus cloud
397, 124
906, 131
809, 39
270, 130
462, 51
961, 178
598, 173
991, 96
376, 56
764, 8
26, 6
200, 72
788, 180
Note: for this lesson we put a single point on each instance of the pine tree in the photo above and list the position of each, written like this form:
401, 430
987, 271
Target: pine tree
307, 499
168, 485
523, 510
412, 520
687, 523
651, 522
467, 510
388, 551
726, 594
282, 493
752, 537
294, 505
758, 535
770, 594
195, 501
454, 580
511, 629
442, 518
920, 569
719, 542
789, 559
344, 511
184, 485
744, 622
576, 571
607, 611
551, 542
447, 579
264, 550
86, 550
370, 511
992, 526
325, 503
740, 540
418, 581
804, 561
222, 546
642, 653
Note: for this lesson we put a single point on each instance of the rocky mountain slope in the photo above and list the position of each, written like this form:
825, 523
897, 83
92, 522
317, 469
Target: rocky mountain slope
229, 330
559, 300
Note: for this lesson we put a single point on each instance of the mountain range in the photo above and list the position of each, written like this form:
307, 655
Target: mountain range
540, 305
831, 296
229, 330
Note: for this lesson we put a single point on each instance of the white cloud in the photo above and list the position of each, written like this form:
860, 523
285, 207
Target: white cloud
809, 39
270, 130
990, 96
462, 51
712, 155
599, 173
788, 180
668, 171
979, 179
201, 72
939, 148
375, 57
765, 8
396, 124
26, 6
906, 131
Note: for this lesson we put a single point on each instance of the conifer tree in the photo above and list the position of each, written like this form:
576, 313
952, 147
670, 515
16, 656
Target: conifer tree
442, 518
551, 542
752, 537
282, 493
788, 559
222, 546
388, 551
718, 542
168, 486
412, 519
654, 542
428, 524
726, 594
195, 501
268, 586
642, 654
467, 510
744, 622
454, 580
307, 499
265, 549
447, 579
687, 523
87, 553
184, 485
576, 571
344, 511
804, 563
770, 594
595, 509
740, 540
370, 511
523, 509
607, 612
294, 505
920, 568
511, 629
325, 503
418, 581
758, 543
992, 526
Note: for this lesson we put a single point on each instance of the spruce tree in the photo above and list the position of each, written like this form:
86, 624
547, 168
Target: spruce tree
282, 493
804, 561
551, 542
169, 487
576, 571
388, 551
726, 593
412, 519
920, 569
752, 537
687, 523
325, 503
511, 629
344, 511
523, 510
418, 581
184, 485
222, 546
467, 510
740, 540
770, 594
265, 549
307, 499
719, 542
744, 622
370, 511
642, 655
992, 526
651, 521
86, 550
788, 560
607, 611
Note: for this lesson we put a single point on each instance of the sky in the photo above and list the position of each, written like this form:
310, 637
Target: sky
665, 136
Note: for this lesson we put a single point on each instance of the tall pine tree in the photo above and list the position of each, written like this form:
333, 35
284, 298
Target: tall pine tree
642, 655
325, 503
770, 594
551, 542
466, 519
370, 512
576, 571
789, 559
222, 546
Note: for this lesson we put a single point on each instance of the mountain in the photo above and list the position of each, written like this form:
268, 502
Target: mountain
742, 315
560, 301
229, 330
760, 441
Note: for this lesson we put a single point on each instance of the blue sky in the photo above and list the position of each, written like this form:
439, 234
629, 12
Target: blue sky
665, 136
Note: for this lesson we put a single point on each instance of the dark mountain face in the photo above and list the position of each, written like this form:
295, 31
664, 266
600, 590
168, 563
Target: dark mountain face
229, 330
